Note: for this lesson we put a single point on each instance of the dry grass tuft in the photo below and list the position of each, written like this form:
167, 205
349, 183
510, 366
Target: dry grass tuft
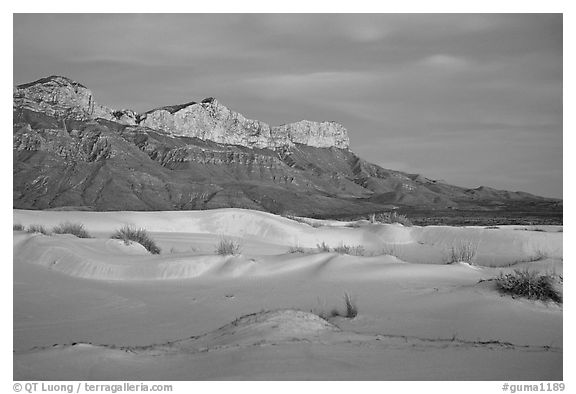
37, 228
296, 249
128, 233
227, 246
390, 217
76, 229
464, 252
350, 309
529, 284
323, 247
357, 250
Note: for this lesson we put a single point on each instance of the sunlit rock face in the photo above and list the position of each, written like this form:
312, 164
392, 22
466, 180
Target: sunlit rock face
62, 97
210, 120
317, 134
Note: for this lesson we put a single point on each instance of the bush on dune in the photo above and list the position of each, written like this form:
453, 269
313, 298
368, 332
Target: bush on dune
464, 252
296, 249
128, 233
37, 228
228, 247
389, 218
76, 229
357, 250
323, 247
350, 309
529, 284
17, 227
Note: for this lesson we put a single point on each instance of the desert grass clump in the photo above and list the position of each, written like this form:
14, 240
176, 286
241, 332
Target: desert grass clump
529, 284
128, 234
76, 229
464, 252
323, 247
17, 227
296, 249
357, 250
390, 217
350, 309
227, 246
37, 228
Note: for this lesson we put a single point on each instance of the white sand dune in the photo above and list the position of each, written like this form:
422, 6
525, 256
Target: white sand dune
419, 318
432, 244
291, 344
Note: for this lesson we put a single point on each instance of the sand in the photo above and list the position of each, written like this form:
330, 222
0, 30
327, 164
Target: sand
98, 309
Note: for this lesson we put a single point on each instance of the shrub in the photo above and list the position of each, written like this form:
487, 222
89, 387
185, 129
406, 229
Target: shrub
465, 252
17, 227
351, 308
357, 250
529, 284
296, 249
37, 228
227, 246
343, 249
390, 217
76, 229
128, 233
323, 247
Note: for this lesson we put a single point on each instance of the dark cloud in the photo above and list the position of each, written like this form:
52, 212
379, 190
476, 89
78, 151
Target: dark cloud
474, 99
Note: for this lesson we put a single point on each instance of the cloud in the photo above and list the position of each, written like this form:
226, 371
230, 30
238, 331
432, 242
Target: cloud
446, 62
308, 83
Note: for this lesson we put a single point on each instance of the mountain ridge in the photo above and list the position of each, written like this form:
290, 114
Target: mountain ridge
71, 151
206, 119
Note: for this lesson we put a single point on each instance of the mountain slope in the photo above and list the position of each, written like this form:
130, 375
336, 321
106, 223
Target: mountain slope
70, 151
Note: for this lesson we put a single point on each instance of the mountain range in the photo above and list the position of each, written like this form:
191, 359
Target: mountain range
70, 152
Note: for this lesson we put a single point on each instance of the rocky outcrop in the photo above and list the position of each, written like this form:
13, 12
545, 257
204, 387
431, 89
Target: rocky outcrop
317, 134
87, 146
64, 98
210, 120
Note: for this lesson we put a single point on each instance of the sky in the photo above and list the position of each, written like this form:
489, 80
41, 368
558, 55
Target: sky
471, 99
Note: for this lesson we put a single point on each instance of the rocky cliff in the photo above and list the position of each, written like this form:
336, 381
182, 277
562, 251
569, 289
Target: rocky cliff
61, 97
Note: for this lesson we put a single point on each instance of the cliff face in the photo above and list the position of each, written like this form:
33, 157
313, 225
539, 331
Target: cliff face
208, 120
319, 135
64, 98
